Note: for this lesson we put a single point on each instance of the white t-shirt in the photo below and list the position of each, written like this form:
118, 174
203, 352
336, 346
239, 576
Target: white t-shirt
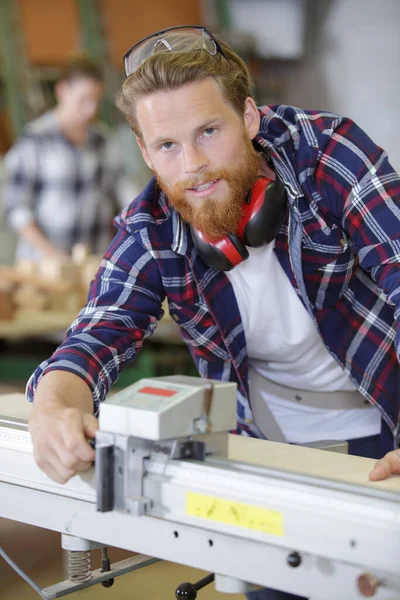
284, 346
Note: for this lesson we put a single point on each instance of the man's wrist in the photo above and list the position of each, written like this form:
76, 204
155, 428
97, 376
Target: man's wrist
63, 389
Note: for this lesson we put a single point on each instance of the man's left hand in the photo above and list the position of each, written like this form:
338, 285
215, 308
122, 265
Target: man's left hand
388, 465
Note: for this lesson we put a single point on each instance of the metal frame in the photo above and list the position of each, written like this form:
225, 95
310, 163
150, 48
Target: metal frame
339, 531
98, 576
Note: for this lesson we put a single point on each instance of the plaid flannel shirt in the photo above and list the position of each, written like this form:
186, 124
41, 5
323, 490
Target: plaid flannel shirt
339, 245
72, 193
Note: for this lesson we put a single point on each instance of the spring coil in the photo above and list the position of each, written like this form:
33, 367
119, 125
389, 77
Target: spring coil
79, 569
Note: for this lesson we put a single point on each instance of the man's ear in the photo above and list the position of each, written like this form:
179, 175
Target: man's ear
251, 117
145, 155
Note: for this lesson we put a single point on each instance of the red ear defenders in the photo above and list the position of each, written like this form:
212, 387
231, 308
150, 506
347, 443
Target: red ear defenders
262, 217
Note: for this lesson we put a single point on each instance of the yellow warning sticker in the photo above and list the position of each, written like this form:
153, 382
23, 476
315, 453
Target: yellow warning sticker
234, 513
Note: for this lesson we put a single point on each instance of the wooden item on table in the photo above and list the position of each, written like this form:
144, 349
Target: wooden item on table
58, 270
31, 297
88, 272
80, 254
7, 306
34, 323
26, 268
15, 275
70, 302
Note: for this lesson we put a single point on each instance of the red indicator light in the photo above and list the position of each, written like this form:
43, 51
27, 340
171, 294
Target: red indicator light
156, 391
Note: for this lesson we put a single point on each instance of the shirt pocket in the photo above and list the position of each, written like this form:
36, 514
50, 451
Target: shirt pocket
329, 261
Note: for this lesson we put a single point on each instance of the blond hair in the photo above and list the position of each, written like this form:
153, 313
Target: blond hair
167, 70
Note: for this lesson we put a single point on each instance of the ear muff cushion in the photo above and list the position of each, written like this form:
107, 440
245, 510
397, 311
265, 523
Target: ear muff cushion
222, 254
263, 212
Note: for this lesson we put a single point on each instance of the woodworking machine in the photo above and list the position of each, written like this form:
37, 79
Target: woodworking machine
163, 486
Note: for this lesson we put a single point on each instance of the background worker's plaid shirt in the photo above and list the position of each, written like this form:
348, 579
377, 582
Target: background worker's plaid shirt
70, 192
339, 246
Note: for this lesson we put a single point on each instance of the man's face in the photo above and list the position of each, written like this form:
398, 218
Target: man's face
80, 99
201, 152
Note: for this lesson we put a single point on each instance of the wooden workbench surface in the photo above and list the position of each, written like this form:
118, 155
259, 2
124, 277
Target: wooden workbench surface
15, 405
34, 323
298, 459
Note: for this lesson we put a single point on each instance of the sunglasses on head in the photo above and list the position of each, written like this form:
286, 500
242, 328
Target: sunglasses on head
184, 38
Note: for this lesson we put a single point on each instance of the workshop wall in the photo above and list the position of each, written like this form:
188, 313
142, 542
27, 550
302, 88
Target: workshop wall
51, 29
351, 66
128, 22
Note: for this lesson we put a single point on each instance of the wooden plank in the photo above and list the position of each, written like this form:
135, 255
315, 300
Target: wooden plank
308, 461
15, 405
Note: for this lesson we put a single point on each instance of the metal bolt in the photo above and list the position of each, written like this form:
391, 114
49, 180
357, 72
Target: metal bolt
106, 566
294, 559
367, 584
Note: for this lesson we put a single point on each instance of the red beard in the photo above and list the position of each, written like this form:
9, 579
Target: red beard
213, 217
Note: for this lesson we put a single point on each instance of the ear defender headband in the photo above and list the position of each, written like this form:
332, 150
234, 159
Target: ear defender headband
263, 213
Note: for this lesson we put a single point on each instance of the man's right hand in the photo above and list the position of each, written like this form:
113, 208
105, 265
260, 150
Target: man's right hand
61, 426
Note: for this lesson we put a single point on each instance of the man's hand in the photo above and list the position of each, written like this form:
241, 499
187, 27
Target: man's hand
32, 234
60, 440
61, 425
388, 465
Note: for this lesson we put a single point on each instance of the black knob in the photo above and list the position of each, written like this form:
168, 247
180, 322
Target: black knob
294, 559
108, 583
187, 591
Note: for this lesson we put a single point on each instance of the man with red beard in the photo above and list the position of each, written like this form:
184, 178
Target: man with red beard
302, 313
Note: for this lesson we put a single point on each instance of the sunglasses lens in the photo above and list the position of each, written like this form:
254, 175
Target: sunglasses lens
184, 39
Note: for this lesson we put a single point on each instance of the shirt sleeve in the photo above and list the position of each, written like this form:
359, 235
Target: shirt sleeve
20, 180
123, 308
363, 189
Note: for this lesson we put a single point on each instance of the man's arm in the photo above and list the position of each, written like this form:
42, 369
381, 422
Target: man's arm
32, 234
364, 192
372, 218
124, 305
62, 421
21, 168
